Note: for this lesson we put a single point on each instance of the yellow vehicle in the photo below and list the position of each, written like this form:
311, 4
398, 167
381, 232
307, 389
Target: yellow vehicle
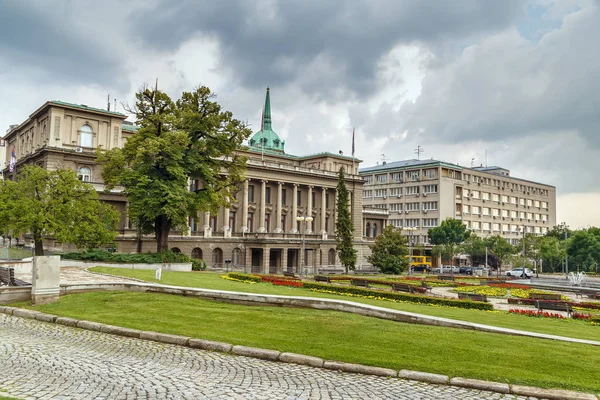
421, 260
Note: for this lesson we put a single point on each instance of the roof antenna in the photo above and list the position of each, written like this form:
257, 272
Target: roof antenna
418, 152
108, 102
486, 159
383, 159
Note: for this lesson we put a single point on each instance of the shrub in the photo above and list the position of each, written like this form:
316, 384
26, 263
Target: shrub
140, 258
198, 264
244, 277
400, 296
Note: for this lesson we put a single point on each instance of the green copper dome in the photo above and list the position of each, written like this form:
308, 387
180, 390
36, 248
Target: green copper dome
266, 138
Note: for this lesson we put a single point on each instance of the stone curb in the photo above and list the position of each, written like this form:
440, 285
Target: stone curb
274, 355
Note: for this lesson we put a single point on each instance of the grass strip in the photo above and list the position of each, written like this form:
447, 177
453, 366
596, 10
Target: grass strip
347, 337
208, 280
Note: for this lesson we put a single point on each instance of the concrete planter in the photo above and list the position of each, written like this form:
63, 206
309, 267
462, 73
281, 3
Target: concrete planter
184, 267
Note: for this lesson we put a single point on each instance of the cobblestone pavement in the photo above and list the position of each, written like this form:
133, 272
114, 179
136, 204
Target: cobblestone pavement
46, 361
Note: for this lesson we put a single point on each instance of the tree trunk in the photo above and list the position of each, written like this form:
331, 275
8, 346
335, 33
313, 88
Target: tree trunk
38, 244
162, 226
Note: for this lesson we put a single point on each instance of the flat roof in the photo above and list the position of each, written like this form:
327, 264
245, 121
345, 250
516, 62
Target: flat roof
407, 164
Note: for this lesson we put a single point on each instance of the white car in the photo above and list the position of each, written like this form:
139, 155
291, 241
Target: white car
518, 272
446, 269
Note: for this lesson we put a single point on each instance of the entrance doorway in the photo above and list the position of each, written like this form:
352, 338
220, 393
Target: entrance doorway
292, 260
257, 258
274, 261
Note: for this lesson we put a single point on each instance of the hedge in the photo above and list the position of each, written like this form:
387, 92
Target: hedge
572, 303
140, 258
244, 277
401, 296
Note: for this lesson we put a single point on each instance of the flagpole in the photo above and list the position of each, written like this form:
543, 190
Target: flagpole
353, 170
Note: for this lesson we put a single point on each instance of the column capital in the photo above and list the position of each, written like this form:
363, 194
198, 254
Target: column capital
280, 183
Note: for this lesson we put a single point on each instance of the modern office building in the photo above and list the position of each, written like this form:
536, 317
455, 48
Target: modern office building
260, 232
419, 194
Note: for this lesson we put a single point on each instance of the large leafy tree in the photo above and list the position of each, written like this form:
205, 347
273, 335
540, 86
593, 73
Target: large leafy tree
553, 252
583, 248
343, 226
500, 248
450, 234
192, 138
389, 252
55, 204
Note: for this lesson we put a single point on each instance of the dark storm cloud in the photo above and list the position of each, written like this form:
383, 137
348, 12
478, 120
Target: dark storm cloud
53, 38
275, 42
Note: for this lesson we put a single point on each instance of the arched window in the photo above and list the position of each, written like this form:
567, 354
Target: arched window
368, 230
217, 258
374, 230
236, 257
331, 258
197, 253
85, 136
176, 250
276, 142
84, 174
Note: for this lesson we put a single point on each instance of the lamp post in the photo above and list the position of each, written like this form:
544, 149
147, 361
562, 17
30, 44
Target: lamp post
410, 247
307, 220
566, 268
523, 228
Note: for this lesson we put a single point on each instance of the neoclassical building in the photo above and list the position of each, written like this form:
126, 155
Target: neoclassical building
260, 232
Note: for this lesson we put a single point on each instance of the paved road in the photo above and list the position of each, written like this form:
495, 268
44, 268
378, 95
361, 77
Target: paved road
46, 361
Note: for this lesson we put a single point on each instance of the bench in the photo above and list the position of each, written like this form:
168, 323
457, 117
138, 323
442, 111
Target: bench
7, 278
473, 297
425, 286
359, 282
592, 294
445, 277
554, 305
331, 271
289, 274
544, 296
321, 278
401, 287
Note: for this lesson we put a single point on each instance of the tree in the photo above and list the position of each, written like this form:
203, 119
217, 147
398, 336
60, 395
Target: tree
191, 138
552, 252
450, 234
561, 232
583, 248
56, 204
343, 226
500, 248
389, 253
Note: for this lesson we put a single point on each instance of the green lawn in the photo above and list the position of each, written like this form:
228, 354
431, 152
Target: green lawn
207, 280
347, 337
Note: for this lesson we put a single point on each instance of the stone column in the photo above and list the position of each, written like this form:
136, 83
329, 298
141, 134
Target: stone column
207, 230
263, 204
309, 210
294, 208
284, 259
279, 228
226, 228
266, 260
45, 279
245, 207
323, 210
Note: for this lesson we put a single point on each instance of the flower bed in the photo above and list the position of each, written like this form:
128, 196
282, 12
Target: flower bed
538, 314
394, 296
295, 283
502, 291
510, 286
271, 278
243, 277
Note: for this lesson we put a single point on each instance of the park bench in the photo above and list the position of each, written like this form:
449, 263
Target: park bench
321, 278
7, 277
425, 286
331, 271
472, 296
554, 305
544, 296
592, 294
359, 282
402, 287
289, 274
445, 277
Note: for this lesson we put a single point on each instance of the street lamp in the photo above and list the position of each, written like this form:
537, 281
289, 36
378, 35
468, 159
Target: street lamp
523, 228
410, 247
566, 268
308, 220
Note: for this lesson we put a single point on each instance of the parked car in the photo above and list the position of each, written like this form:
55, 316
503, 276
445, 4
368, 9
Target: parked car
446, 269
421, 268
519, 272
465, 270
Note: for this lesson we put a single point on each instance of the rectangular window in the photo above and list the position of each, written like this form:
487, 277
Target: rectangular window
412, 223
504, 199
429, 173
537, 217
430, 205
544, 217
368, 179
251, 193
283, 202
486, 211
475, 210
232, 221
505, 213
380, 192
522, 214
513, 214
475, 194
475, 225
412, 190
397, 177
268, 195
396, 207
536, 204
397, 223
466, 192
529, 215
430, 222
521, 201
299, 200
466, 208
496, 212
314, 197
544, 204
496, 227
486, 226
505, 228
413, 175
213, 223
513, 200
327, 200
495, 197
367, 194
430, 189
381, 178
395, 191
529, 202
412, 206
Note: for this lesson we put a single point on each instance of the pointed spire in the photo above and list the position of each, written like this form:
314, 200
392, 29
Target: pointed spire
267, 112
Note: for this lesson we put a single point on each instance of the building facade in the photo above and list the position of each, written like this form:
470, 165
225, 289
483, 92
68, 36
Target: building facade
419, 194
260, 232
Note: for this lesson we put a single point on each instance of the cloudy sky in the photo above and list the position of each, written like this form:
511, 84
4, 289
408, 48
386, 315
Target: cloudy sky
520, 79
